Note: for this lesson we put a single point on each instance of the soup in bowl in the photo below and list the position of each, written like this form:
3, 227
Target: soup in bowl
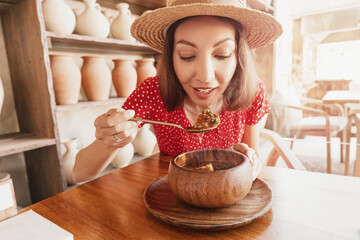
210, 178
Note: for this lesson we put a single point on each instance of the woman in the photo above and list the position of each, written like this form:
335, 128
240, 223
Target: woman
206, 63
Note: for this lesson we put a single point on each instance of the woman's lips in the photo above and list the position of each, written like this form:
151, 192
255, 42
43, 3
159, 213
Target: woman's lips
204, 93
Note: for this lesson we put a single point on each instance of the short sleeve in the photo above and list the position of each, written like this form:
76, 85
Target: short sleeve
259, 107
144, 98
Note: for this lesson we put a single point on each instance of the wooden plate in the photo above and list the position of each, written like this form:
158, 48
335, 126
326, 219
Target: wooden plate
163, 204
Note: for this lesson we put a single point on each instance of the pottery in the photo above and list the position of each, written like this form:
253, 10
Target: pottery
124, 77
58, 16
8, 205
120, 26
144, 141
91, 21
68, 158
66, 79
96, 78
124, 156
230, 181
2, 95
145, 68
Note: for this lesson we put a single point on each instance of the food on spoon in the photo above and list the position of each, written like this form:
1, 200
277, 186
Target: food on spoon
206, 120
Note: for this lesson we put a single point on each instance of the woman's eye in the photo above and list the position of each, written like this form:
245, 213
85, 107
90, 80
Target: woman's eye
221, 57
187, 58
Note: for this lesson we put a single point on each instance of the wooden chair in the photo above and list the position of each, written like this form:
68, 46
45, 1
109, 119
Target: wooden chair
357, 161
351, 110
293, 119
280, 149
356, 118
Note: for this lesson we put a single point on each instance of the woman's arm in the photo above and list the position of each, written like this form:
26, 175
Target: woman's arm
249, 143
92, 160
252, 134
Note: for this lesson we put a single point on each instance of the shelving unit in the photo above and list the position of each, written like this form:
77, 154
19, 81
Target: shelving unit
79, 43
90, 104
20, 142
28, 45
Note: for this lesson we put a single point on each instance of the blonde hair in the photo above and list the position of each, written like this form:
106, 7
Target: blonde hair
242, 88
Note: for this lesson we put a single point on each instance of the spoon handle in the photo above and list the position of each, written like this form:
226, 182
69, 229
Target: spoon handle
156, 122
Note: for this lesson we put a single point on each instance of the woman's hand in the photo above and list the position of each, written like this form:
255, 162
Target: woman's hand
251, 154
114, 128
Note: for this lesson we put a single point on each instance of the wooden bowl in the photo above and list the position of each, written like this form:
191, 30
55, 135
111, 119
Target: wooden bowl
210, 189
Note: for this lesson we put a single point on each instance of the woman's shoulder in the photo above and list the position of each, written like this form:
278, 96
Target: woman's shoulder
148, 87
149, 83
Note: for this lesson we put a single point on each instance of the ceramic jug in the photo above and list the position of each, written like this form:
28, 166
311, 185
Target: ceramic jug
68, 158
123, 157
124, 77
91, 21
145, 68
120, 27
144, 141
2, 95
66, 79
96, 78
58, 16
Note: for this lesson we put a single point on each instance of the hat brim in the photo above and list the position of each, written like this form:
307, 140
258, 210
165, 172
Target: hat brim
150, 28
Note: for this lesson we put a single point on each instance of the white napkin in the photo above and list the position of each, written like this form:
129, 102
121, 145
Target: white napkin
32, 226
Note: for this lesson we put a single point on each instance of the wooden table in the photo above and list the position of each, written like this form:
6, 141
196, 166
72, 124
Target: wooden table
342, 97
306, 205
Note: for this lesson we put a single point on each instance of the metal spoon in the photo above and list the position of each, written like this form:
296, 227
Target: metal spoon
187, 129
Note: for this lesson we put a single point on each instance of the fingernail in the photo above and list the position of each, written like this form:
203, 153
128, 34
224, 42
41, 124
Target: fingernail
120, 110
131, 113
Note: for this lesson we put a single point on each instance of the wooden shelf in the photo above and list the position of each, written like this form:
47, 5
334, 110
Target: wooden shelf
80, 43
260, 5
90, 104
20, 142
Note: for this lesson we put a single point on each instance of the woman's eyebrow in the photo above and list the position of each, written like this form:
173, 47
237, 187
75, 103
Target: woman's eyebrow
186, 43
195, 46
223, 40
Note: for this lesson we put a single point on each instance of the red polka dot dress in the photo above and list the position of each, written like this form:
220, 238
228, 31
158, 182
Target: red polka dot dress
147, 103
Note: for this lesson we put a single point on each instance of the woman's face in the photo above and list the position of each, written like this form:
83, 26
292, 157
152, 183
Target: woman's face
204, 58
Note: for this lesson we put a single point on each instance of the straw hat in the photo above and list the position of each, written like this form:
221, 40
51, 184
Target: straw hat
150, 28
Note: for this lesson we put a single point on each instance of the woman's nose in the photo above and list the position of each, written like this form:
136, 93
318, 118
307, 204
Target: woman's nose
205, 70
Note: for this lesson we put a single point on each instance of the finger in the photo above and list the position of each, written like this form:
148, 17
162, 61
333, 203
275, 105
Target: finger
120, 141
245, 149
113, 117
241, 147
122, 130
121, 127
256, 168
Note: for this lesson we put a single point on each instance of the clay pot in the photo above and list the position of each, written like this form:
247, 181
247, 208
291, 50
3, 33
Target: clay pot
58, 16
144, 141
124, 77
120, 27
91, 21
123, 156
145, 68
68, 158
96, 78
66, 79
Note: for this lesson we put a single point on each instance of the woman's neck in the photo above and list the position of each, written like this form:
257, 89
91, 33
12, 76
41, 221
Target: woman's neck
193, 112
